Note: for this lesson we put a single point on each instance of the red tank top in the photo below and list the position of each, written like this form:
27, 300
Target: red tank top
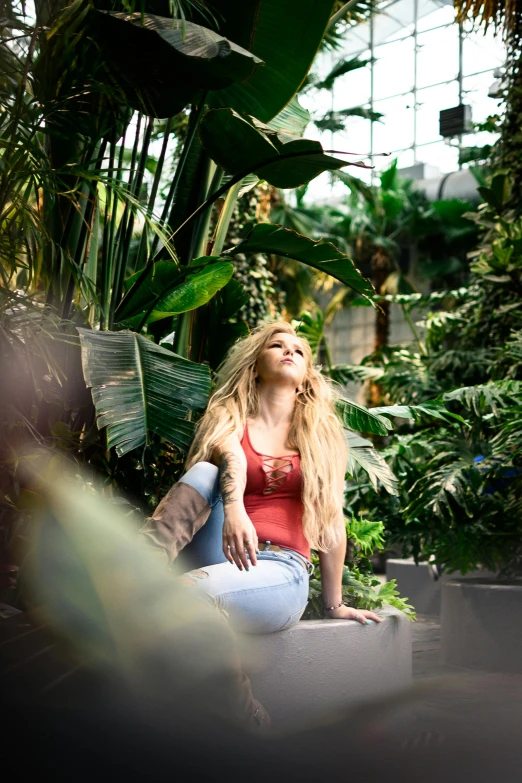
273, 498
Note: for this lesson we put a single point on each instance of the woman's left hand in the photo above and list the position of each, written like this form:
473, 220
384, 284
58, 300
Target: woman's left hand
359, 615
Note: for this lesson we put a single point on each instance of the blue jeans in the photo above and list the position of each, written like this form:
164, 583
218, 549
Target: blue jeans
269, 597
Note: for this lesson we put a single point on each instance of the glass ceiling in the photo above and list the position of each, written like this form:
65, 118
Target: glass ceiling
421, 61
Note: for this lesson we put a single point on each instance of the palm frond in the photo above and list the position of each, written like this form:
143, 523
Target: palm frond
361, 454
139, 387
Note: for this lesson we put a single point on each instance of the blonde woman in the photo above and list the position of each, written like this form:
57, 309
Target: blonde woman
264, 485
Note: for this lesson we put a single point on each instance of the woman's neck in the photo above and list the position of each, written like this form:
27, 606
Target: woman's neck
276, 407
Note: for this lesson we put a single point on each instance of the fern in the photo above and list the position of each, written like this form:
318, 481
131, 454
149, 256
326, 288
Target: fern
389, 594
366, 534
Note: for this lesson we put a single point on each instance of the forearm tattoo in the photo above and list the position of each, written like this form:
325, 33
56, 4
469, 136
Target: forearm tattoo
230, 478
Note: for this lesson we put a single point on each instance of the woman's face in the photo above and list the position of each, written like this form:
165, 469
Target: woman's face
282, 361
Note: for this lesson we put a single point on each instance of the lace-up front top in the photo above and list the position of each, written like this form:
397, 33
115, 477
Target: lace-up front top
273, 497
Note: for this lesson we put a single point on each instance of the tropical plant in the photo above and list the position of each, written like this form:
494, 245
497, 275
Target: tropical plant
368, 472
460, 487
359, 583
128, 134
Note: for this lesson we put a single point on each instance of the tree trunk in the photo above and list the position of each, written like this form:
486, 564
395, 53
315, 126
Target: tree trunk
381, 268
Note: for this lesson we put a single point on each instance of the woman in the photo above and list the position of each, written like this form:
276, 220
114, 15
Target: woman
264, 484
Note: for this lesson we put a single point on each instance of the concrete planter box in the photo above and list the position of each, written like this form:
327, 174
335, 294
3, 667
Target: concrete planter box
480, 624
415, 583
321, 666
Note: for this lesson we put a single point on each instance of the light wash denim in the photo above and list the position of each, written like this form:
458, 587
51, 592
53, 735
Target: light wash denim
269, 597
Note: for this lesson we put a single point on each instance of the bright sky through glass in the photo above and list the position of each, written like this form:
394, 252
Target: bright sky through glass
415, 74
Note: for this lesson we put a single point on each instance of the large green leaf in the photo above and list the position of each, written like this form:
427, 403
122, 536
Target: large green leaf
161, 63
361, 453
162, 293
139, 387
239, 143
285, 35
366, 533
293, 120
160, 276
434, 408
197, 290
357, 417
273, 239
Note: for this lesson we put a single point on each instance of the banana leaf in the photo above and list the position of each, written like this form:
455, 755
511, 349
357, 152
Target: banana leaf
239, 143
285, 35
273, 239
362, 454
357, 417
434, 408
165, 293
161, 64
292, 120
139, 387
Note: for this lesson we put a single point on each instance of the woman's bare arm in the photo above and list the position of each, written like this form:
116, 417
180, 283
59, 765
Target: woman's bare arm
239, 534
331, 564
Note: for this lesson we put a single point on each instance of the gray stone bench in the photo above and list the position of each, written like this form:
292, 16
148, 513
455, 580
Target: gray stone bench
321, 666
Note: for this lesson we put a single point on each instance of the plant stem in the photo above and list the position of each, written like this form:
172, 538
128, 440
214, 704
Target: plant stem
195, 115
201, 238
142, 249
237, 178
224, 220
110, 204
414, 330
327, 353
193, 123
341, 13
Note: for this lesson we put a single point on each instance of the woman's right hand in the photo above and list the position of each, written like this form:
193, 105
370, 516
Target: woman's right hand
240, 537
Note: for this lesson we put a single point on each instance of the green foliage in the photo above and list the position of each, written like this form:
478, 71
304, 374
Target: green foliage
460, 486
139, 387
273, 239
366, 534
240, 145
360, 588
201, 58
98, 233
162, 294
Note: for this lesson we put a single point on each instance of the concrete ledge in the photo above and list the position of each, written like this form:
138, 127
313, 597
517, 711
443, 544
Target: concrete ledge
480, 624
415, 583
321, 666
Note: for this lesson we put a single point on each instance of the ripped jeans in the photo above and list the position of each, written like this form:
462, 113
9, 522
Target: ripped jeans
269, 597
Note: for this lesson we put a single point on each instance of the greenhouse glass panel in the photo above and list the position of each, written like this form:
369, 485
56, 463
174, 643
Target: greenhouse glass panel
476, 95
438, 56
430, 101
431, 14
396, 130
394, 69
353, 89
355, 138
357, 40
395, 21
482, 52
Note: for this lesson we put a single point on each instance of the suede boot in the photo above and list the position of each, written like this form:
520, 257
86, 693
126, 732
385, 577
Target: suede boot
176, 520
173, 525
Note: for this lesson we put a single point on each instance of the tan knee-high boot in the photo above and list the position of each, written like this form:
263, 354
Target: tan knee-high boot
173, 525
176, 520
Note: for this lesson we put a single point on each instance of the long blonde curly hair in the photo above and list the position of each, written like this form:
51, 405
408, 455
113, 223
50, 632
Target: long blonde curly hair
316, 430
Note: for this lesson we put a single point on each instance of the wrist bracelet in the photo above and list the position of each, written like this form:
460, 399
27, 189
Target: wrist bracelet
329, 608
